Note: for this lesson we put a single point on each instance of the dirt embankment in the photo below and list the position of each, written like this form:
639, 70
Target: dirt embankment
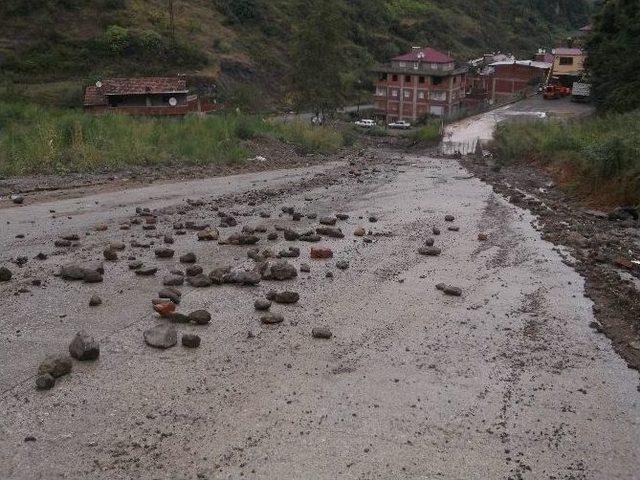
603, 246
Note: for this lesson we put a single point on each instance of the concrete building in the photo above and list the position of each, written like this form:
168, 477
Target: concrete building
568, 62
419, 83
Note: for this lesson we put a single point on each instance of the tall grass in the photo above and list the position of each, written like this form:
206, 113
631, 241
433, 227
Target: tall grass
428, 133
601, 153
40, 140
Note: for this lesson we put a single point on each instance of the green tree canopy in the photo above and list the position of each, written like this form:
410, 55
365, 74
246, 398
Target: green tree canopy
614, 56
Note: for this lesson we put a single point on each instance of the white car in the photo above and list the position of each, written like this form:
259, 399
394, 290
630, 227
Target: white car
366, 123
400, 124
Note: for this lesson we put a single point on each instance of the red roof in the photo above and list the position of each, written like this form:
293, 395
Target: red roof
94, 95
426, 54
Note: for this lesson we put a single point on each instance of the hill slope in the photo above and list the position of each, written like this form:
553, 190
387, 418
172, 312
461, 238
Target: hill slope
55, 40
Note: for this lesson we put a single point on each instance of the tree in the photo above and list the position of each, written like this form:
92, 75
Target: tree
614, 56
320, 65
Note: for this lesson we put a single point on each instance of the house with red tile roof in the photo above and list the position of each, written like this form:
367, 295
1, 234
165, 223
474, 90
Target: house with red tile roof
421, 82
157, 96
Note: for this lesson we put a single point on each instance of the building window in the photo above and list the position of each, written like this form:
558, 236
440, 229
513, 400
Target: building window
394, 93
416, 65
394, 78
438, 96
382, 77
402, 64
437, 81
421, 79
407, 93
407, 78
566, 60
381, 91
421, 95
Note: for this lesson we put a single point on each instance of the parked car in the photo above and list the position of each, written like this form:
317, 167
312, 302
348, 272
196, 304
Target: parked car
365, 123
400, 124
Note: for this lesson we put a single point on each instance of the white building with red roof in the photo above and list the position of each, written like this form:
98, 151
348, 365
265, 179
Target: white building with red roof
418, 83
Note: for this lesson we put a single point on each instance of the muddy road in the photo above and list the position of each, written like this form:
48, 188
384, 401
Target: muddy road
506, 381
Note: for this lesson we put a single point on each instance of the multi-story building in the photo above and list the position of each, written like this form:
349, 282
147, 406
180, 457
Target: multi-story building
419, 83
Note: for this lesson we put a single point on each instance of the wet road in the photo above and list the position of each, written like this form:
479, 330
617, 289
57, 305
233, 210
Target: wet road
506, 382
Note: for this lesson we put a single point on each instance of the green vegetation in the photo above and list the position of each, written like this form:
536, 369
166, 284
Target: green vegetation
430, 132
614, 56
43, 41
598, 156
36, 140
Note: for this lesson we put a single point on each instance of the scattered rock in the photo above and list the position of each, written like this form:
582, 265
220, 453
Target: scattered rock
193, 270
17, 198
373, 219
310, 237
208, 235
135, 265
271, 318
321, 253
146, 271
453, 291
342, 264
292, 252
285, 297
165, 309
305, 268
332, 232
72, 271
262, 304
161, 336
321, 332
278, 270
101, 227
5, 274
117, 246
94, 301
45, 382
429, 251
84, 347
342, 216
199, 281
172, 294
188, 258
168, 239
435, 231
56, 366
429, 242
290, 235
217, 275
242, 277
483, 237
328, 221
176, 317
190, 340
272, 236
173, 280
360, 232
200, 317
110, 255
164, 252
454, 228
92, 276
449, 218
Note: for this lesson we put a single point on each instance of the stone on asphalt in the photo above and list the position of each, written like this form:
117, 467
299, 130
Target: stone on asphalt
161, 336
94, 301
188, 258
199, 281
164, 252
84, 347
278, 270
262, 304
45, 381
110, 255
5, 274
453, 291
320, 253
342, 264
200, 317
285, 297
321, 332
271, 318
429, 251
190, 340
55, 365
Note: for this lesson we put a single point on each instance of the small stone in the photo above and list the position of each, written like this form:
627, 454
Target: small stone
135, 265
84, 347
71, 271
110, 255
117, 246
278, 270
172, 294
45, 382
94, 301
454, 228
242, 277
305, 268
321, 253
342, 264
290, 235
359, 232
429, 251
92, 276
146, 271
176, 317
272, 236
329, 274
101, 227
193, 270
208, 234
164, 252
262, 304
161, 336
62, 243
483, 237
164, 308
17, 198
55, 366
453, 291
199, 281
5, 274
429, 242
173, 280
449, 218
328, 221
373, 219
200, 317
342, 216
168, 239
190, 340
332, 232
285, 297
321, 332
272, 318
188, 258
435, 230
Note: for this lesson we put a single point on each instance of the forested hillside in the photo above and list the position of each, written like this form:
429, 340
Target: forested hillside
55, 41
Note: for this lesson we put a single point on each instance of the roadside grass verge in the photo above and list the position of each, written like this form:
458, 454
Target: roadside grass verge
428, 133
37, 140
596, 156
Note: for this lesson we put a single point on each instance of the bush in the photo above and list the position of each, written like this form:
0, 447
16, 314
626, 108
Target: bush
429, 133
604, 152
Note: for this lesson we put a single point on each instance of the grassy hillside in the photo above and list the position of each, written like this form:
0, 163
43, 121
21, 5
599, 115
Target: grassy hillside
53, 42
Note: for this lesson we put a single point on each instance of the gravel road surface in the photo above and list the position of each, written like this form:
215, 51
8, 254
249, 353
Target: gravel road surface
506, 381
